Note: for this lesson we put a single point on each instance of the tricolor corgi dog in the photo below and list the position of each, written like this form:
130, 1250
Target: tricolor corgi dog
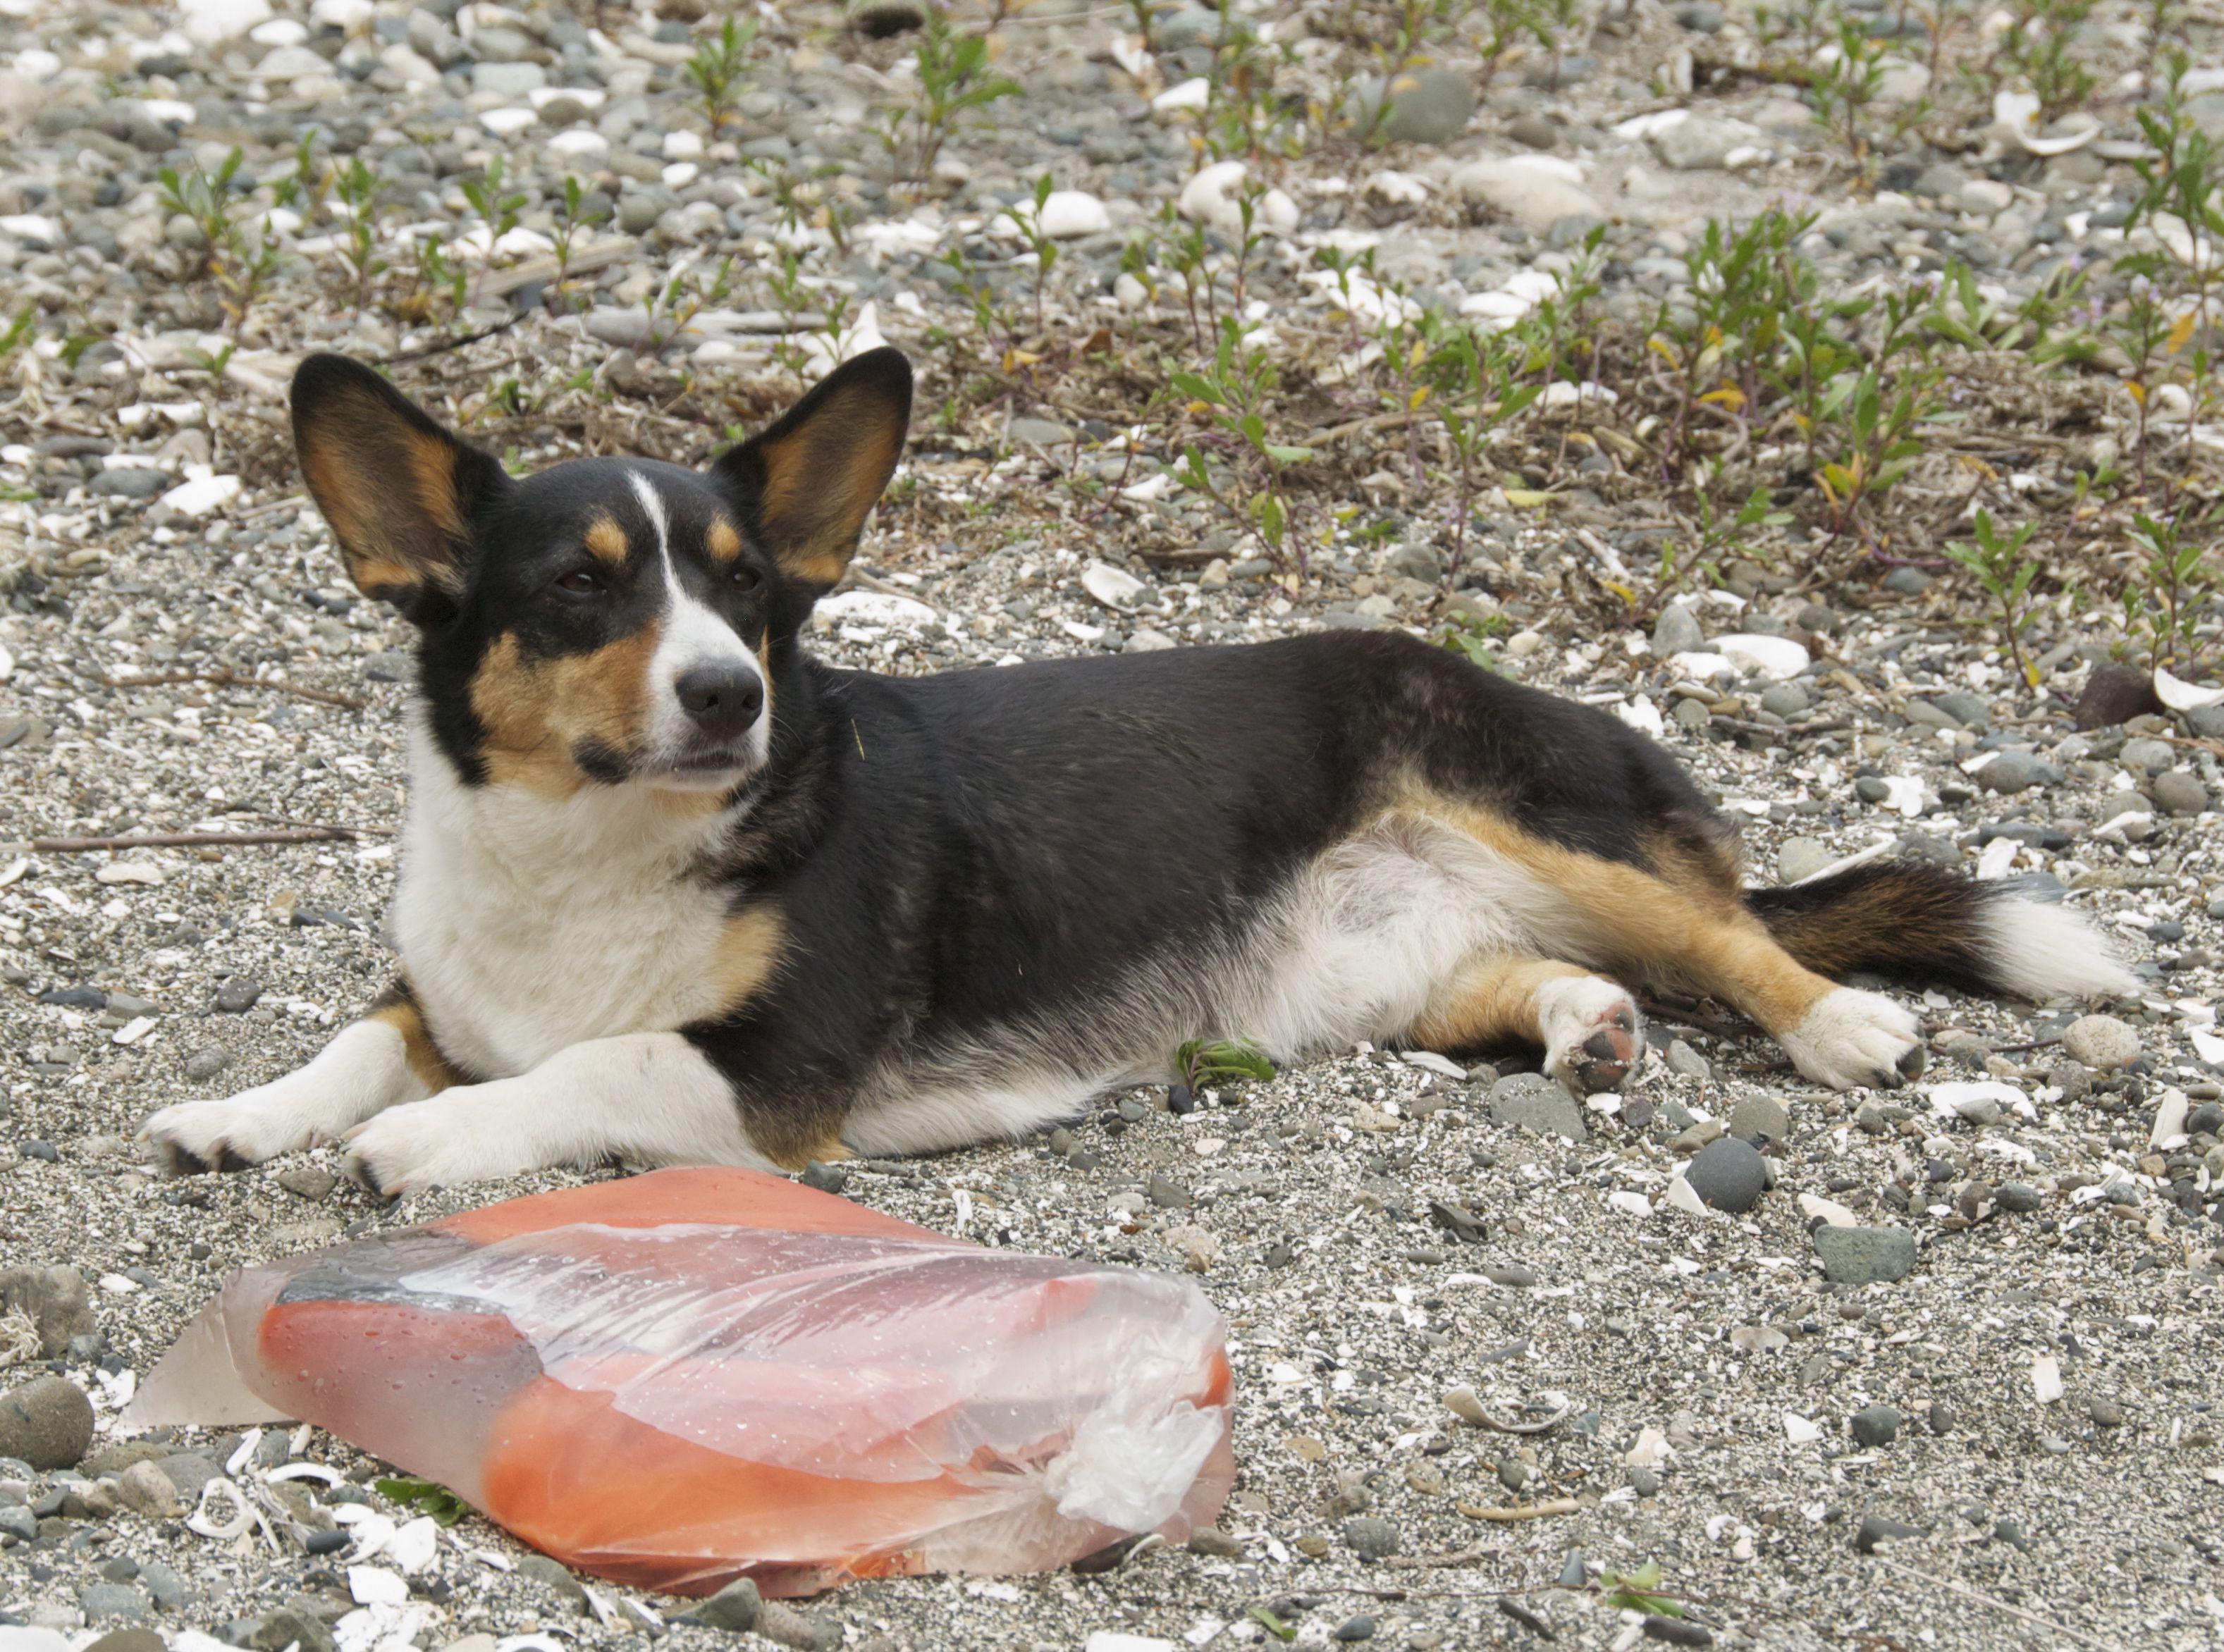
671, 890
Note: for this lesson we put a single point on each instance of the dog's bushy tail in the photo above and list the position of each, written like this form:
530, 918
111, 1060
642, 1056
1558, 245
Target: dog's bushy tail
1930, 926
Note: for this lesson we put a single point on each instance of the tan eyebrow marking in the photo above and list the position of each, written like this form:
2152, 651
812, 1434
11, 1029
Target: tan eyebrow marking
606, 539
725, 542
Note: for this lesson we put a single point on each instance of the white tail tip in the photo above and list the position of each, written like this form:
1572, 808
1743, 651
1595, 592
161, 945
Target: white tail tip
2043, 951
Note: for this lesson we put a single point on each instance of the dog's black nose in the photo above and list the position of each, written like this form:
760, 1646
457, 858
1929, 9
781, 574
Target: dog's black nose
722, 700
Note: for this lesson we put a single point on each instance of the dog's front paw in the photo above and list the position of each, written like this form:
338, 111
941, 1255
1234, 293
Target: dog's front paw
457, 1137
232, 1134
1594, 1033
1852, 1038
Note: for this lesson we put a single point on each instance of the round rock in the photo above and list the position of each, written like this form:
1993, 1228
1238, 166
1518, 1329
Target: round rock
1876, 1425
47, 1422
1728, 1174
1371, 1539
2102, 1042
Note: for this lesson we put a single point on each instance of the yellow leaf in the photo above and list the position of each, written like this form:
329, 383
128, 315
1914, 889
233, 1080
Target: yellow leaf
2138, 392
1526, 498
1725, 395
1419, 396
1621, 590
1660, 347
1197, 409
2180, 333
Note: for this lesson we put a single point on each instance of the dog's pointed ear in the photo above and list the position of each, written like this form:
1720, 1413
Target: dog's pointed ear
399, 489
808, 481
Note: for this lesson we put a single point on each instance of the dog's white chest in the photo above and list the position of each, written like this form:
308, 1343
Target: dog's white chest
526, 926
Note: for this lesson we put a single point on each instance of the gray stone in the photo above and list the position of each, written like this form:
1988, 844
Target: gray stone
109, 1603
1535, 129
55, 1299
1876, 1425
1802, 857
1427, 106
1968, 709
1044, 432
2013, 772
734, 1608
129, 482
275, 1630
1763, 1116
626, 328
1191, 26
189, 1471
506, 80
166, 1584
1371, 1538
48, 1422
1532, 195
2021, 1197
2100, 1042
1677, 631
207, 1062
237, 994
1698, 143
145, 1490
2180, 794
1728, 1175
1875, 1528
306, 1182
127, 1640
1166, 1192
1538, 1104
1786, 700
1861, 1256
1687, 1061
539, 1568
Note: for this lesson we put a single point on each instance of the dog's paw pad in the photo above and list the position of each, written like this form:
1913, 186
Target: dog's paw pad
1595, 1036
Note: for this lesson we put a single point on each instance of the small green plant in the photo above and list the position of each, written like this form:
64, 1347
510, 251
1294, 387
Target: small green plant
1471, 375
1998, 561
671, 308
955, 82
1030, 222
574, 218
1201, 1062
1639, 1591
2171, 591
498, 208
1237, 391
2042, 45
719, 68
356, 187
1844, 88
204, 198
1470, 637
426, 1497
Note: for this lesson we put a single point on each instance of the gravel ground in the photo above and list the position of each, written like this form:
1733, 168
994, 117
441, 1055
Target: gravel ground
1983, 1419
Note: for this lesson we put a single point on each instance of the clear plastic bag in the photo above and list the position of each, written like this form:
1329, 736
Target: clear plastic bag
689, 1377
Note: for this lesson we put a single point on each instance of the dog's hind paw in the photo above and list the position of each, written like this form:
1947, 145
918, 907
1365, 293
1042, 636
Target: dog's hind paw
1852, 1038
1594, 1033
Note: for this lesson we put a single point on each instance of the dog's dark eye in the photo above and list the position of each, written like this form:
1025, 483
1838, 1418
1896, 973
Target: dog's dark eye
580, 582
744, 577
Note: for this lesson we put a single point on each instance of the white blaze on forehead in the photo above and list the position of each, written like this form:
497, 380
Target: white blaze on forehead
650, 502
694, 635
